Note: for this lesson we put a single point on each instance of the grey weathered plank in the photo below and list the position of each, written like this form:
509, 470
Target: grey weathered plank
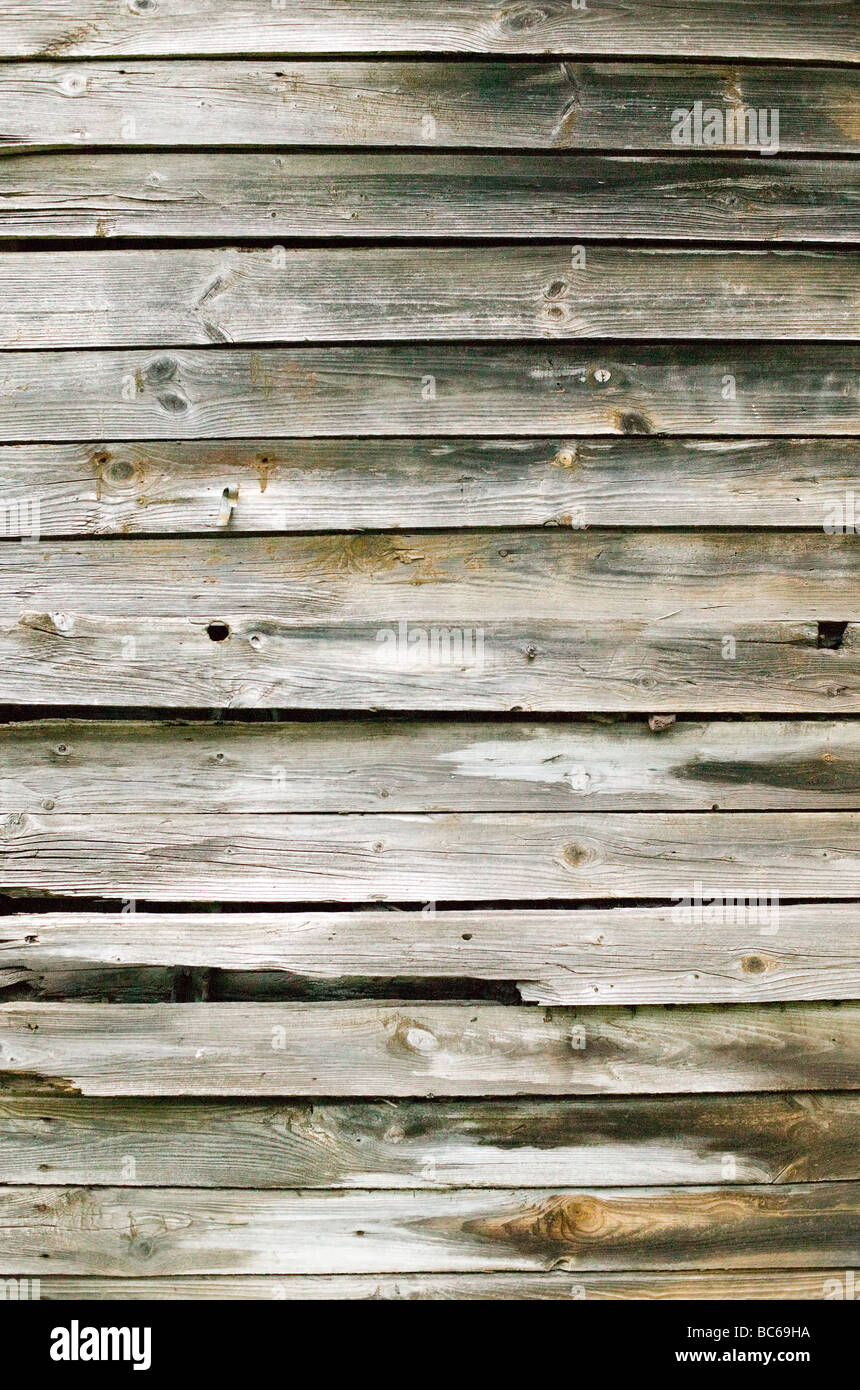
430, 105
359, 484
788, 668
248, 194
468, 857
776, 1284
360, 1049
521, 576
169, 297
85, 766
596, 388
805, 29
408, 1144
125, 1232
694, 952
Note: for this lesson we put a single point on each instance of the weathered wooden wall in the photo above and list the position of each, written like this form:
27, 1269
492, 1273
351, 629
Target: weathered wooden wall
429, 512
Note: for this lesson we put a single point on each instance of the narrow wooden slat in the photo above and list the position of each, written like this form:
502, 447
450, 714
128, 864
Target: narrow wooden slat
731, 389
424, 1049
92, 299
709, 1285
460, 577
790, 668
805, 29
407, 1144
358, 484
84, 766
695, 952
508, 106
119, 1232
354, 858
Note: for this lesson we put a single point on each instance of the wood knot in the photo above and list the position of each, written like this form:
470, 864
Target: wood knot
574, 855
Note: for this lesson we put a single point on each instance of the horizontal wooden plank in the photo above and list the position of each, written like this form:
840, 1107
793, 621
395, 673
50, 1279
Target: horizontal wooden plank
122, 1232
775, 1284
409, 1144
461, 577
247, 194
359, 1049
359, 484
790, 668
705, 389
435, 105
468, 857
754, 949
87, 766
795, 29
168, 297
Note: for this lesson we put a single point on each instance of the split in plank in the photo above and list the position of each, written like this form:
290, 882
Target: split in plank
169, 297
599, 388
606, 1142
450, 578
384, 484
416, 858
800, 29
125, 1232
428, 105
745, 951
391, 765
423, 1050
240, 662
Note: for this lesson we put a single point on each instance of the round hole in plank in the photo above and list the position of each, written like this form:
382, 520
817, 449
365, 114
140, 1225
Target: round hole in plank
218, 632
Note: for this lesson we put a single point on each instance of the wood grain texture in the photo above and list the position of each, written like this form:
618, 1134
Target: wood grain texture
607, 1142
702, 389
249, 194
771, 1284
790, 668
167, 297
804, 29
428, 105
468, 577
123, 1232
88, 766
467, 857
359, 484
695, 952
391, 1050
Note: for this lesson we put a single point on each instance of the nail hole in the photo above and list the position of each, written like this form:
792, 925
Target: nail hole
830, 635
218, 632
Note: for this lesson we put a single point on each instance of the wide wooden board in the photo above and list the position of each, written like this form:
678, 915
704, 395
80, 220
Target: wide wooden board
122, 1232
606, 1142
599, 388
366, 764
803, 29
276, 485
400, 858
